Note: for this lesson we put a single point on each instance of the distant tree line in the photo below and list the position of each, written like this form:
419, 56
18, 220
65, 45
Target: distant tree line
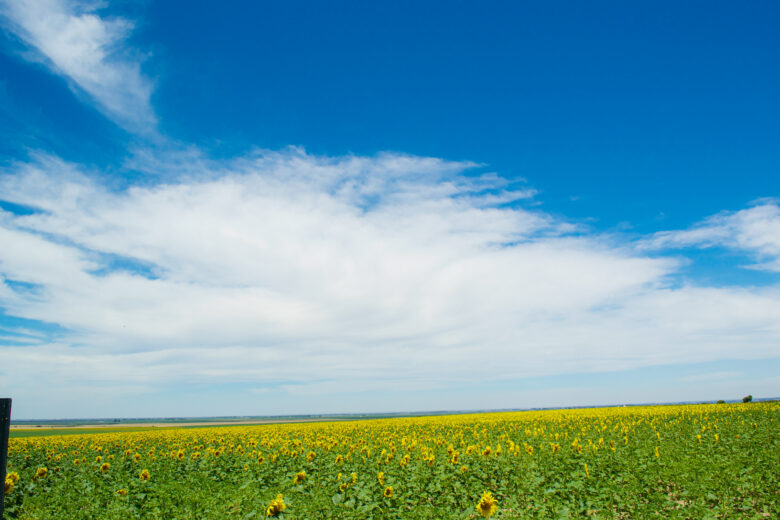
746, 399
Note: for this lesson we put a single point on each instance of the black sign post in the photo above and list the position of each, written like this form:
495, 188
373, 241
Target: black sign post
5, 426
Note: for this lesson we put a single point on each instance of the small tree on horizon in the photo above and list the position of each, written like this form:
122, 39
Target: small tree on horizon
747, 399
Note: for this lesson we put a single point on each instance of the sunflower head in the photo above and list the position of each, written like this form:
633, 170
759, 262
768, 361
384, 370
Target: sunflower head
487, 505
276, 506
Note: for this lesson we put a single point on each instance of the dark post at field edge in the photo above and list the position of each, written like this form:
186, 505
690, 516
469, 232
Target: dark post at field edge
5, 425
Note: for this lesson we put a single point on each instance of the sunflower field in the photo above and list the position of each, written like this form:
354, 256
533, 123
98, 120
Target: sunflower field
695, 462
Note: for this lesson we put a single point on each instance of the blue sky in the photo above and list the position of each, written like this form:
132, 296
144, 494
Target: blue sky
364, 207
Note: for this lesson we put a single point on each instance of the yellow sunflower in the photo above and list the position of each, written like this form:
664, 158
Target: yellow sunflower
487, 505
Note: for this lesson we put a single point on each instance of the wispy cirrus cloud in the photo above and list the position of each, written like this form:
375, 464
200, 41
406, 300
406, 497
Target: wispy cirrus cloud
755, 231
89, 51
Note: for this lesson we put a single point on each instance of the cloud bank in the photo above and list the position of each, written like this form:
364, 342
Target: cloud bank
307, 273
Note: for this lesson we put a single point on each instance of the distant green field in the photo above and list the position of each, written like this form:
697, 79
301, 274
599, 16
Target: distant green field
46, 432
73, 427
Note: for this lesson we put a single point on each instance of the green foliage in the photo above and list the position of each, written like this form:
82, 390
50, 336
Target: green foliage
747, 399
677, 462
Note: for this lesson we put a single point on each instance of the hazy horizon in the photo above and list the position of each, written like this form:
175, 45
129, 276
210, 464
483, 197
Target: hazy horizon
413, 413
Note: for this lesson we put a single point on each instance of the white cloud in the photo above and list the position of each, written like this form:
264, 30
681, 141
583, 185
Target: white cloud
712, 376
754, 230
311, 274
90, 51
